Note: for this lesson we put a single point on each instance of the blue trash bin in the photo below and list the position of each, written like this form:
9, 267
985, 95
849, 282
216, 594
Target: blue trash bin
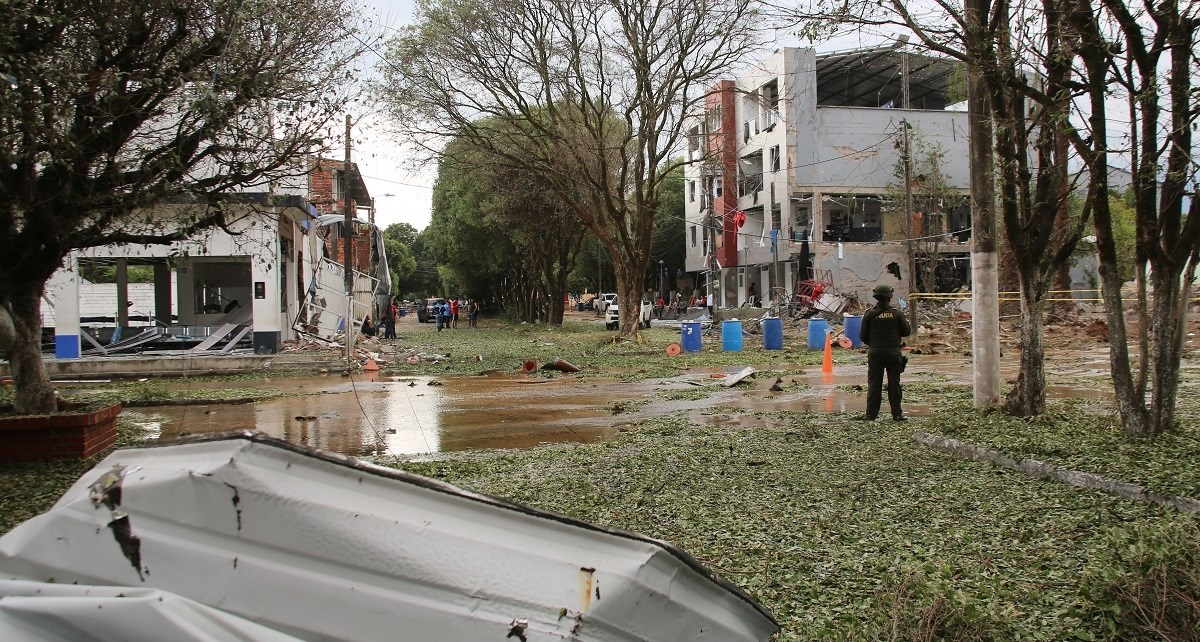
731, 336
773, 333
853, 328
690, 336
817, 328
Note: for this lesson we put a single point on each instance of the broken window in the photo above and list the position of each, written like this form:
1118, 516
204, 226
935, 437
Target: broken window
713, 124
802, 218
770, 105
775, 158
852, 218
750, 175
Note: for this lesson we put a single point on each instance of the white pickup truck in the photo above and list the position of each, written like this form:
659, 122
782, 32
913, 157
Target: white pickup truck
612, 315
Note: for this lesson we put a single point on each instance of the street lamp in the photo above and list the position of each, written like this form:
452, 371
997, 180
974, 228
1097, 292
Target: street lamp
661, 291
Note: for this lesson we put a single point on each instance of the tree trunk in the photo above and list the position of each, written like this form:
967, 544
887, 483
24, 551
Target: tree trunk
1028, 397
1130, 405
1166, 346
32, 392
629, 295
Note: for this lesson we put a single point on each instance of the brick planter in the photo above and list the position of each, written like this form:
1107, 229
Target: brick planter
58, 436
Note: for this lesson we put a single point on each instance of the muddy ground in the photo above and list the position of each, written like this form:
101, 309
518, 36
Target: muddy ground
425, 401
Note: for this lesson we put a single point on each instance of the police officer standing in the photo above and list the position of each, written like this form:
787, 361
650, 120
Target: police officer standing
882, 329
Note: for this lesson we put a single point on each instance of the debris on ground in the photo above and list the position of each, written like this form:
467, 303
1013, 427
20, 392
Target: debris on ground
561, 365
738, 377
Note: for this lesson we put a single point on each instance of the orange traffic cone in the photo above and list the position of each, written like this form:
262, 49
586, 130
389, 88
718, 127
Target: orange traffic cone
827, 364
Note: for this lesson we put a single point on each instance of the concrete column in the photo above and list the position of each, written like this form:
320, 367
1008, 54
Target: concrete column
264, 289
162, 293
122, 293
63, 290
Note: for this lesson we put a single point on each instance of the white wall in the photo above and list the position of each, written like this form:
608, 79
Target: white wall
857, 146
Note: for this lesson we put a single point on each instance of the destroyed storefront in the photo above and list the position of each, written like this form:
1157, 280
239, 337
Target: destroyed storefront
261, 280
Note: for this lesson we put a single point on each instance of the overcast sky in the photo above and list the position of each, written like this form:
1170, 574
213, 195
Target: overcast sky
402, 195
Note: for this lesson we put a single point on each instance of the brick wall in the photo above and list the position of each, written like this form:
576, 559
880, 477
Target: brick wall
61, 436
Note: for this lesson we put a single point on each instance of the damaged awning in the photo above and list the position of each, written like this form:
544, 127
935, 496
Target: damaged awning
246, 534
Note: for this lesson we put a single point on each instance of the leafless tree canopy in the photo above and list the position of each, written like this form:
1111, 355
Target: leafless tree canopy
112, 106
108, 108
592, 92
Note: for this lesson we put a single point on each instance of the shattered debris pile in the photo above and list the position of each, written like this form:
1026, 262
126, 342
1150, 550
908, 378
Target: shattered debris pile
366, 350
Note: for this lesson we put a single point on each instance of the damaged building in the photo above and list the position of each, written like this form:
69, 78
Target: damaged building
274, 271
798, 177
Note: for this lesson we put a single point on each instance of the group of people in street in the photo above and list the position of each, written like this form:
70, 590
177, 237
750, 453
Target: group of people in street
446, 312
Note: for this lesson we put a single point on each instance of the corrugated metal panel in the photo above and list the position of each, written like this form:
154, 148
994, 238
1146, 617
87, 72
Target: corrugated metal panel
319, 546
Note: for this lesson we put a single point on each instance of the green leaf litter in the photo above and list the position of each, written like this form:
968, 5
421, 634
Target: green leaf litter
822, 519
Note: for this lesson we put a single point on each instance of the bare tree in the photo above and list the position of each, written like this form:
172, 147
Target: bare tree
110, 108
598, 91
1148, 51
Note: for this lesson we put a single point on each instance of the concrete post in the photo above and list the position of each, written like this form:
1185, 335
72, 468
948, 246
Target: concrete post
63, 290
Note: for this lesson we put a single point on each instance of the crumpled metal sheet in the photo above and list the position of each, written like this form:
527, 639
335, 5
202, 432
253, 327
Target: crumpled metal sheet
74, 613
319, 546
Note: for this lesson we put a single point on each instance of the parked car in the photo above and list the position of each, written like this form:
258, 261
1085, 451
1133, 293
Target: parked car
612, 315
603, 301
424, 311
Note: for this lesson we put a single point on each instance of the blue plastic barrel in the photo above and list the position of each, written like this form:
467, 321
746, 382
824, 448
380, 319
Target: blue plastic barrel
690, 336
817, 328
731, 336
853, 326
773, 333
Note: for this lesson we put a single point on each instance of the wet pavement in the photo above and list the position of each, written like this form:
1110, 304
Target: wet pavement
419, 415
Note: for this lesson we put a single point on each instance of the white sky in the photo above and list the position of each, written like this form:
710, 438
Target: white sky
402, 193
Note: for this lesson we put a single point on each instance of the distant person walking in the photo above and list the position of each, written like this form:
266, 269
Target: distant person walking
473, 313
389, 321
438, 314
883, 328
454, 313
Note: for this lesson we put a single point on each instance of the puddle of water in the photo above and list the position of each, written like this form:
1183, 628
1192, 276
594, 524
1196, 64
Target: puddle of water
408, 415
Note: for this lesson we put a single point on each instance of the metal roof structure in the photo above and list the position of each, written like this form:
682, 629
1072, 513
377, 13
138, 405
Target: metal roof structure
873, 78
249, 537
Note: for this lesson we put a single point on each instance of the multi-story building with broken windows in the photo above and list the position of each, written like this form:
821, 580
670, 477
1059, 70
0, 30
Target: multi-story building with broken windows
799, 177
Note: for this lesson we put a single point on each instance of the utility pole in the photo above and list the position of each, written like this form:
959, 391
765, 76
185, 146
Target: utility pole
347, 250
908, 209
908, 227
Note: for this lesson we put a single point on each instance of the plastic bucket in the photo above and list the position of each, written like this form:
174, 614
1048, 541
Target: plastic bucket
853, 328
731, 336
817, 329
773, 333
690, 336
